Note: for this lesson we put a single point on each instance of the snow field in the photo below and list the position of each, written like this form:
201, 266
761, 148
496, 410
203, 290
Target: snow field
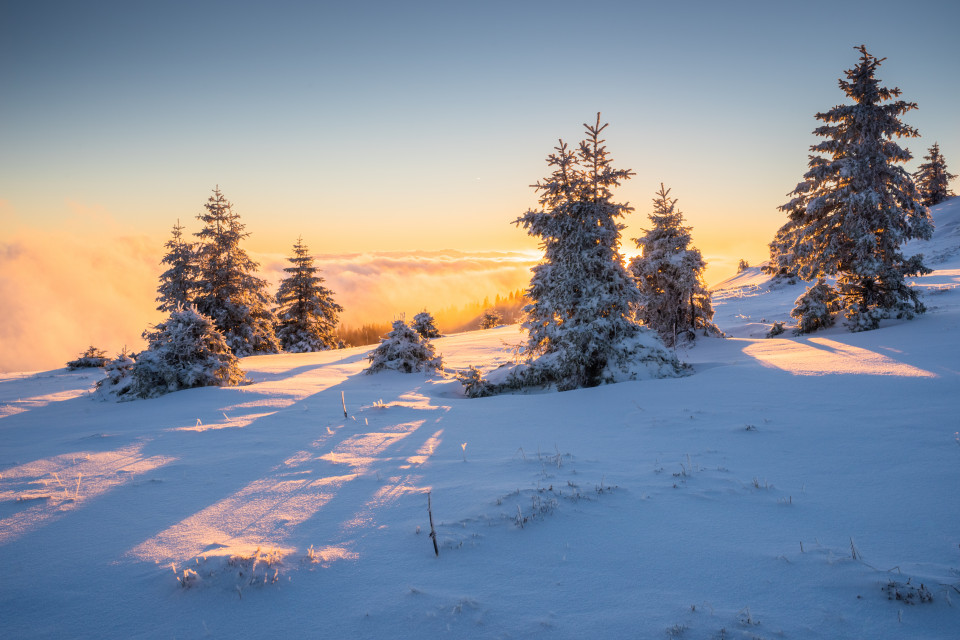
789, 488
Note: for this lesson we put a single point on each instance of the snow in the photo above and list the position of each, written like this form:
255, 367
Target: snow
791, 487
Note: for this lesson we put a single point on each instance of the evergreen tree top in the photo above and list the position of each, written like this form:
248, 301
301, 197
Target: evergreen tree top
867, 121
584, 175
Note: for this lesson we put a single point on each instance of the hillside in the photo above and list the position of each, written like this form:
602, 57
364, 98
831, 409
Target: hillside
790, 488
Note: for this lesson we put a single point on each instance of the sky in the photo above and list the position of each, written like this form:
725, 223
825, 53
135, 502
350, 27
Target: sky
384, 128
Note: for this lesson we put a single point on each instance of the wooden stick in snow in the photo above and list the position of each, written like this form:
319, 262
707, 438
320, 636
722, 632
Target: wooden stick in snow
343, 401
433, 533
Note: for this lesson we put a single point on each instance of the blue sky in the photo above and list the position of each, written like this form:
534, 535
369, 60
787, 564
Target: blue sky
375, 126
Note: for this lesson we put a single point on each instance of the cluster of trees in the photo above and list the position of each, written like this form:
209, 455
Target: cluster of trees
219, 310
592, 318
856, 207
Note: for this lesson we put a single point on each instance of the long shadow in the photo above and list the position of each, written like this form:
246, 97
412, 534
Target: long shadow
300, 474
203, 468
265, 376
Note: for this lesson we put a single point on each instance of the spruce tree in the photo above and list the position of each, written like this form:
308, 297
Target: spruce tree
227, 289
307, 312
580, 321
674, 300
857, 205
425, 325
178, 282
491, 318
933, 179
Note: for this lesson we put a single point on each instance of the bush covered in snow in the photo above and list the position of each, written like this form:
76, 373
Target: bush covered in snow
474, 385
91, 358
403, 349
185, 351
119, 380
816, 308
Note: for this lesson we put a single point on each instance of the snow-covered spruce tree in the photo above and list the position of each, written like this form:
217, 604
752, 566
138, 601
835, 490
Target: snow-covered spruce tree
581, 321
857, 206
307, 313
404, 350
817, 308
674, 300
425, 325
933, 179
491, 318
91, 358
227, 289
179, 281
184, 351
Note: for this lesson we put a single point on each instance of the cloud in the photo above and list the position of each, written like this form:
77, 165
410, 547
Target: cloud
66, 289
63, 292
377, 287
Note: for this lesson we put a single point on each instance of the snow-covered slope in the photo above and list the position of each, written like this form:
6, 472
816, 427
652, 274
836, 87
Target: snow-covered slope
790, 488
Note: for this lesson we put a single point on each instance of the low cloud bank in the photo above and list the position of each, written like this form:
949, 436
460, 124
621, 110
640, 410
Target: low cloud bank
63, 292
378, 287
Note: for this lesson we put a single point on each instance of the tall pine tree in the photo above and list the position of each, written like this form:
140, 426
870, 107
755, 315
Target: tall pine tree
178, 282
581, 325
857, 205
933, 179
307, 313
674, 300
227, 289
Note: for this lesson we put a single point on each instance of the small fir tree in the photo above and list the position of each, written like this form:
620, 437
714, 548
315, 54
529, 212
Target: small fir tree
674, 300
490, 319
404, 350
817, 308
307, 314
425, 325
91, 358
474, 385
857, 205
933, 179
580, 321
227, 290
178, 282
